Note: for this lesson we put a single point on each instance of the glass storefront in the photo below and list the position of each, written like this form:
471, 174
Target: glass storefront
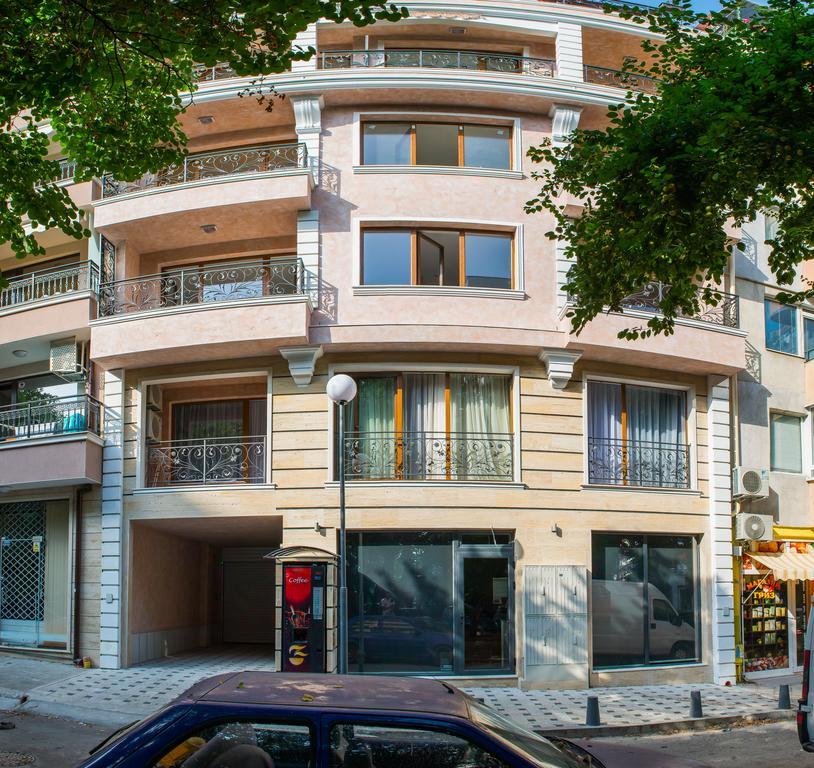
644, 600
430, 602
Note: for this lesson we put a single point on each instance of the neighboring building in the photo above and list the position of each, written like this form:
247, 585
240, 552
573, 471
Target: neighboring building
523, 504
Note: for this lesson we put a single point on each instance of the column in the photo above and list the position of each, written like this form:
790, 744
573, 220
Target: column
308, 125
720, 514
110, 650
308, 251
305, 39
569, 52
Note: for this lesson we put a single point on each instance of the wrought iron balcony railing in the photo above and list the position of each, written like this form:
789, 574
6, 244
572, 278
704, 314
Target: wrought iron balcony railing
429, 456
209, 165
638, 463
437, 59
181, 287
51, 417
49, 283
724, 313
206, 461
616, 78
221, 71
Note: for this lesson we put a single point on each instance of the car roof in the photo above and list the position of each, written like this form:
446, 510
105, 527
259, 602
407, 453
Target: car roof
327, 691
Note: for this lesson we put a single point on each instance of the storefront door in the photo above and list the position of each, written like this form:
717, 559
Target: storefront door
483, 609
799, 608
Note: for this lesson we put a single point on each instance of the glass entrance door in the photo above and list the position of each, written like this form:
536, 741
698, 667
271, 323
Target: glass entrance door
484, 609
799, 607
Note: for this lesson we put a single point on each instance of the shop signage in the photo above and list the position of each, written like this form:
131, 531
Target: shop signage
303, 618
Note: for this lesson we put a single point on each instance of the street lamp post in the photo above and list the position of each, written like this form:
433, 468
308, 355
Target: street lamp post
341, 389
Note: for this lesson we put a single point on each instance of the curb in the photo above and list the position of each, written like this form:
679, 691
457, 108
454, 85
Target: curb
690, 724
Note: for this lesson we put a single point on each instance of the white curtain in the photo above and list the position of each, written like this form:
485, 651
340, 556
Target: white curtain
257, 447
371, 429
424, 439
605, 464
480, 423
656, 436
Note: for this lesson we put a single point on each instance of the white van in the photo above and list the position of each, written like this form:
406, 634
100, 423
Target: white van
805, 708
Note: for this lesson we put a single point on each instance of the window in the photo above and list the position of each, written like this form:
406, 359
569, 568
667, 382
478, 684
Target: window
441, 257
242, 743
808, 337
420, 426
644, 600
781, 327
786, 449
637, 436
438, 144
391, 746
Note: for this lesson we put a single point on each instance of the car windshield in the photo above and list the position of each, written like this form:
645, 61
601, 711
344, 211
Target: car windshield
534, 748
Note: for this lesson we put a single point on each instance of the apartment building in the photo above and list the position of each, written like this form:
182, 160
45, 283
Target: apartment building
524, 506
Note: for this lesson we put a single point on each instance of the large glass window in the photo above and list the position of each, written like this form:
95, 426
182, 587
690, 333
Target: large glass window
781, 327
786, 449
637, 436
644, 600
438, 144
437, 257
808, 333
420, 426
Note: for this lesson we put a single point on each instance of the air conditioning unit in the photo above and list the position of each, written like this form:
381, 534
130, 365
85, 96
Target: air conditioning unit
67, 358
749, 527
153, 427
750, 483
154, 397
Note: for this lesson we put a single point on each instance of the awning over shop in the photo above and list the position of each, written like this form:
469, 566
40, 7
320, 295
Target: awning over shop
787, 533
787, 566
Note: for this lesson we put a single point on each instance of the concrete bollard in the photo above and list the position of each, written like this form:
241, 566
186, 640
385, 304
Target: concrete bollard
592, 711
784, 698
696, 710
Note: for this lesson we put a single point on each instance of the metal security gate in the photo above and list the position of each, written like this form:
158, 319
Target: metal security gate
22, 572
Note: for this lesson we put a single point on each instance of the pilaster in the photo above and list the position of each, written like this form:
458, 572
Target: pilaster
308, 125
569, 52
305, 39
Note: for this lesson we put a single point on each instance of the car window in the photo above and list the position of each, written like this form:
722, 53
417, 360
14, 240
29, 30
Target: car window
373, 746
661, 610
243, 745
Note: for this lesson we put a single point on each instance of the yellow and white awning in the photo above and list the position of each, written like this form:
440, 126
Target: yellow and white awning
787, 566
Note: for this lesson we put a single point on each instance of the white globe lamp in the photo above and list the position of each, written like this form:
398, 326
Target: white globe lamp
341, 388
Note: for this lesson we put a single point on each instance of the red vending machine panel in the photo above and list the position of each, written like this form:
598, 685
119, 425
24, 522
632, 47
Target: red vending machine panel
304, 618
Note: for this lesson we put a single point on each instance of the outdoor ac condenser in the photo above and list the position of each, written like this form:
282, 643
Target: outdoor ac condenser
749, 527
750, 483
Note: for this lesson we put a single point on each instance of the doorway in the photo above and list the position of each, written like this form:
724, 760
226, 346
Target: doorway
799, 609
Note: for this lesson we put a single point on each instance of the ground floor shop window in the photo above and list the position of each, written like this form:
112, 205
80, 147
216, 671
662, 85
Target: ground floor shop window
644, 606
430, 602
34, 574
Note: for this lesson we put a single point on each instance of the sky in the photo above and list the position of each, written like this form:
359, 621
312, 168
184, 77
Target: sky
702, 6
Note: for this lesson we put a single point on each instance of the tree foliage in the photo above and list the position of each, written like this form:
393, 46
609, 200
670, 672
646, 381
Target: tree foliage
730, 132
106, 78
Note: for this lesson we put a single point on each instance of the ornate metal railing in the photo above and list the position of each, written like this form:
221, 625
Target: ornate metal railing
429, 456
437, 59
638, 463
48, 283
220, 71
184, 286
725, 312
616, 78
51, 416
208, 165
207, 461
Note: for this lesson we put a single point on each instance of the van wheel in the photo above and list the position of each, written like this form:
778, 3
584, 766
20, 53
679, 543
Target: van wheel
682, 651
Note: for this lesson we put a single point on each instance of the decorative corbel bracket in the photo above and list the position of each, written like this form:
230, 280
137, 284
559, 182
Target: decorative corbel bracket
559, 365
301, 363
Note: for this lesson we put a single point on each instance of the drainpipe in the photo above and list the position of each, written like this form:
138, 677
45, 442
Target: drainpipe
77, 567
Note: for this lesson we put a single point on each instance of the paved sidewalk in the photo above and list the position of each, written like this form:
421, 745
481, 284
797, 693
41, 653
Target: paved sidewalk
117, 696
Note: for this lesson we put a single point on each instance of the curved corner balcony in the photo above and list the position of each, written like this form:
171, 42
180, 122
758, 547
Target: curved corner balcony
190, 314
262, 180
430, 58
616, 78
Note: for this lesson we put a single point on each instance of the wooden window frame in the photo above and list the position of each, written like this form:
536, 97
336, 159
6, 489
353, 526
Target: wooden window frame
462, 233
461, 132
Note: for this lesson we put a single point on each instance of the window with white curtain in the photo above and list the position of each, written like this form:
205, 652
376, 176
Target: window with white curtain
430, 425
786, 443
637, 435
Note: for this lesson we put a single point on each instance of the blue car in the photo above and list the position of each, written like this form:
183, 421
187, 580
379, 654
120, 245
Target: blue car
268, 720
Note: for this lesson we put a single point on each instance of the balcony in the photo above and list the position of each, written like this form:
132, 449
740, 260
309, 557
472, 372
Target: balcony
428, 58
429, 456
207, 461
724, 313
191, 314
616, 78
51, 442
637, 463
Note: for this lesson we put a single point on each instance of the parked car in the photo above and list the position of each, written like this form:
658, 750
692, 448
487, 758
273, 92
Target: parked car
805, 707
267, 720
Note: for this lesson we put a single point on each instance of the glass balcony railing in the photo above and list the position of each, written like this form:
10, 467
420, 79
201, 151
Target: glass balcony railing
49, 283
429, 456
206, 461
638, 463
427, 58
231, 281
208, 165
50, 417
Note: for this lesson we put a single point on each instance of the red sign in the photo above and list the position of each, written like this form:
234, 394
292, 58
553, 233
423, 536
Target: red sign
298, 594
